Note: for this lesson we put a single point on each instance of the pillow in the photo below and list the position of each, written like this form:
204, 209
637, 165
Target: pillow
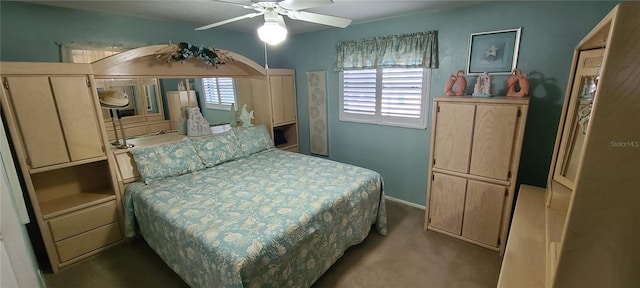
161, 161
218, 148
253, 139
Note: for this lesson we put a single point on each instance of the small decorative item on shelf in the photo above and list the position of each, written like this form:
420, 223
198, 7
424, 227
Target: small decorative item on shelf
246, 117
517, 79
234, 121
459, 80
181, 86
588, 86
182, 122
483, 85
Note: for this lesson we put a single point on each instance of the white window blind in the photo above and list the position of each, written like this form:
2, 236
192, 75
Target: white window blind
219, 92
385, 96
87, 53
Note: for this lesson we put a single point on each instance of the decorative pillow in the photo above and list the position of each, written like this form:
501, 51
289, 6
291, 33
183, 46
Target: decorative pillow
253, 139
161, 161
218, 148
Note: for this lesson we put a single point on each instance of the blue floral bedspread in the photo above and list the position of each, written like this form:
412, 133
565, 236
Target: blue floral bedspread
274, 219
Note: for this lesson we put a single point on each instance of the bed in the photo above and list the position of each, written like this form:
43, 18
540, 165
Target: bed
267, 218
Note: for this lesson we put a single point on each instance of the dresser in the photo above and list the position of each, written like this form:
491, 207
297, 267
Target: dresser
475, 153
586, 221
53, 117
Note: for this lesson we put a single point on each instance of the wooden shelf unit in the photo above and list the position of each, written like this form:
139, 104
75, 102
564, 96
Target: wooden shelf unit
53, 116
71, 203
290, 132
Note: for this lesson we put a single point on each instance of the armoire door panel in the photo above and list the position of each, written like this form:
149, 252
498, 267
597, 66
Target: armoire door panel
453, 133
289, 98
76, 110
277, 94
38, 120
493, 138
447, 203
483, 212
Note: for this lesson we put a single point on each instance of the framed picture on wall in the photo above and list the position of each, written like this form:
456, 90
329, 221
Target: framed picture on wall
495, 52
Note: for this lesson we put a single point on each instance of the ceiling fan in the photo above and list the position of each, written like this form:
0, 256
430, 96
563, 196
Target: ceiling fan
274, 30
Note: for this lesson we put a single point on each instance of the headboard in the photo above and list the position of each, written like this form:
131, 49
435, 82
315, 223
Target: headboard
144, 61
152, 62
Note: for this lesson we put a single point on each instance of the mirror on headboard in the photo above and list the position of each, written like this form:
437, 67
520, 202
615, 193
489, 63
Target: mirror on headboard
213, 95
144, 97
147, 79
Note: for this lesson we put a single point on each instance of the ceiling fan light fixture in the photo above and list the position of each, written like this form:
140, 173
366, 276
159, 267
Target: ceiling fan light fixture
273, 32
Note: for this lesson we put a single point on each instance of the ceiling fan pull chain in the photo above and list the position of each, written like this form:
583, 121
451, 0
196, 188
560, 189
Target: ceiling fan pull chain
266, 62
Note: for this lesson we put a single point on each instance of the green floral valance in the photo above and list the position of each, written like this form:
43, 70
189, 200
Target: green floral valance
408, 50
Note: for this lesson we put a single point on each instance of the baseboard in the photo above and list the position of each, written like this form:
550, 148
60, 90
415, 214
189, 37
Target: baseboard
404, 202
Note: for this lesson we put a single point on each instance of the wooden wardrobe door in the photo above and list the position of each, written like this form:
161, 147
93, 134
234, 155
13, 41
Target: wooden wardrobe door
283, 99
78, 116
277, 99
453, 132
447, 203
289, 99
483, 212
493, 138
38, 120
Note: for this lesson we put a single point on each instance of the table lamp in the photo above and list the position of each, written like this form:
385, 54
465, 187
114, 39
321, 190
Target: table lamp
114, 101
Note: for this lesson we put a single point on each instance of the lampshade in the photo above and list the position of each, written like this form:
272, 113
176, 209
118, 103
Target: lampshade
113, 99
273, 32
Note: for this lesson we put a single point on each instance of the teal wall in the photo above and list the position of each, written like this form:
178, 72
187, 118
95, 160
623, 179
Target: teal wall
32, 33
550, 31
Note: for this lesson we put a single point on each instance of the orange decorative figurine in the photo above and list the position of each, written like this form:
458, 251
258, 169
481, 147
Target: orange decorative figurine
459, 80
519, 78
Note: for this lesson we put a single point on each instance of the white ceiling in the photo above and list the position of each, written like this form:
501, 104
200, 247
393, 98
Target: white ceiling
202, 12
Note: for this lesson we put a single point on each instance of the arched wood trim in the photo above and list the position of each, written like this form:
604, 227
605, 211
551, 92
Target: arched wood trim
143, 61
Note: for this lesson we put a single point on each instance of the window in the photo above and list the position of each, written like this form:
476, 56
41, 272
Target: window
87, 53
385, 96
219, 92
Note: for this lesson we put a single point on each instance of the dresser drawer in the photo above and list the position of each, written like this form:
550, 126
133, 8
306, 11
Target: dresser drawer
84, 220
157, 127
87, 242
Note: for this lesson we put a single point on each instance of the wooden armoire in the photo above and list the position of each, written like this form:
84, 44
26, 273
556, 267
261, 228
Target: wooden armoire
475, 153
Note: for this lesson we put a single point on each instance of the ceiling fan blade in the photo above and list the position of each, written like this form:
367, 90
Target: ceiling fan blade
296, 5
250, 15
319, 18
235, 4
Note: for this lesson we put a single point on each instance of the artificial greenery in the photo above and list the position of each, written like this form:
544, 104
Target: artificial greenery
183, 51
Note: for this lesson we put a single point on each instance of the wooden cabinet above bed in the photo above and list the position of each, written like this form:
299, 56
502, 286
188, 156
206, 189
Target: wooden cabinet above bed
53, 117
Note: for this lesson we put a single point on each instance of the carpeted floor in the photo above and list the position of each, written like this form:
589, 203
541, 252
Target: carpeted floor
406, 257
